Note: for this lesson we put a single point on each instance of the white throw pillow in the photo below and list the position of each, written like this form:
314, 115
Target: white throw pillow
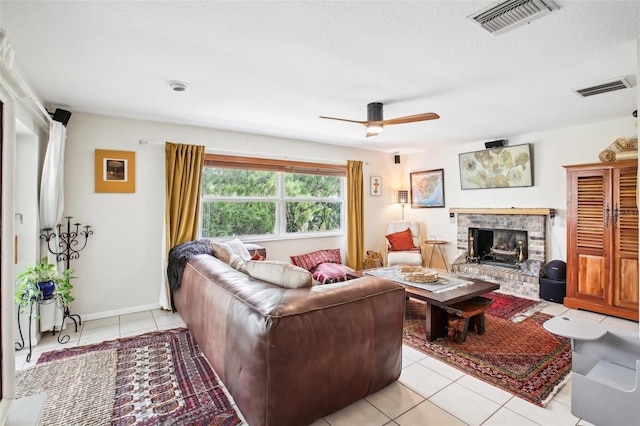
282, 274
237, 247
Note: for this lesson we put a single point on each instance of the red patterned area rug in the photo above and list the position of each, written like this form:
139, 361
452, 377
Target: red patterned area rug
520, 357
510, 307
158, 378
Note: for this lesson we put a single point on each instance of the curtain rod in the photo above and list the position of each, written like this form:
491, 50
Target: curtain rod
249, 154
14, 83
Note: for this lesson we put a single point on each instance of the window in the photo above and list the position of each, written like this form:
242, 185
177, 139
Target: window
248, 197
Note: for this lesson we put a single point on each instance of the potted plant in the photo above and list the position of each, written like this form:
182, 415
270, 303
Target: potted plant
43, 282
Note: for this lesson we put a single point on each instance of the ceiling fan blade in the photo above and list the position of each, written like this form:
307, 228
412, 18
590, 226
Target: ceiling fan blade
411, 118
344, 119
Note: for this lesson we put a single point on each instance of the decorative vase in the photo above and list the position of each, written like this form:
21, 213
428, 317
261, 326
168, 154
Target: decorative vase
47, 288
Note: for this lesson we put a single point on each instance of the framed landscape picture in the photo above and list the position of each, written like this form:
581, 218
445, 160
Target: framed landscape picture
427, 188
501, 167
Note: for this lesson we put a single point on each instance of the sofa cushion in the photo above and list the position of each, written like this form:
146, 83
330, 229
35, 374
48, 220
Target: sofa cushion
326, 273
221, 251
309, 261
236, 246
401, 241
237, 263
282, 274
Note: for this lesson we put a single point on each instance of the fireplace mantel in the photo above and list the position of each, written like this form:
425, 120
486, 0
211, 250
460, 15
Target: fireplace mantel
513, 210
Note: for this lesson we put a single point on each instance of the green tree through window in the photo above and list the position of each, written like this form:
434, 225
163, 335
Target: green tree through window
245, 202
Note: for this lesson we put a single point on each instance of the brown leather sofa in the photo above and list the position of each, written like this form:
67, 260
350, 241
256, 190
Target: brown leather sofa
292, 356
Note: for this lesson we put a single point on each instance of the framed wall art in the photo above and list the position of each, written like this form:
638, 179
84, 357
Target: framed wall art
115, 171
375, 189
502, 167
427, 188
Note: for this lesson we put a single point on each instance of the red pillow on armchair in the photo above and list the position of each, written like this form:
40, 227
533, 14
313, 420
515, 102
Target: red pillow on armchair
401, 241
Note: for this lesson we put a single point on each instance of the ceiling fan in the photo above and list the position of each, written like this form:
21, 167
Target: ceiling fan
375, 122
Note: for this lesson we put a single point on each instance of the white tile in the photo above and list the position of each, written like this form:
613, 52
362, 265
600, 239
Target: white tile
577, 313
394, 399
412, 354
564, 395
494, 393
555, 413
128, 327
360, 413
102, 322
428, 413
442, 368
180, 324
614, 323
506, 417
423, 380
554, 309
100, 334
136, 316
138, 332
164, 318
407, 361
474, 410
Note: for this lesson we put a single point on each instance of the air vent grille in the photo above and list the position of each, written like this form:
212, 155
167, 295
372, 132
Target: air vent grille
603, 87
505, 15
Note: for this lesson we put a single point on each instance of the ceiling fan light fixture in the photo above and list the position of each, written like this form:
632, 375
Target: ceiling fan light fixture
374, 129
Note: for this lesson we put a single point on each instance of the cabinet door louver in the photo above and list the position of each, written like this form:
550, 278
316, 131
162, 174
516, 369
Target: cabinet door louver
626, 252
590, 212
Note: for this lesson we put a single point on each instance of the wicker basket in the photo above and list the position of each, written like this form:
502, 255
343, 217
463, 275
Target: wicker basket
417, 274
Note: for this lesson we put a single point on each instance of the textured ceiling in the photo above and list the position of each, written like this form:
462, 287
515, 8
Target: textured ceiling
273, 67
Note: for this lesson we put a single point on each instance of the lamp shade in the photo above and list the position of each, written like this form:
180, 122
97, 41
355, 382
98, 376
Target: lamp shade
403, 196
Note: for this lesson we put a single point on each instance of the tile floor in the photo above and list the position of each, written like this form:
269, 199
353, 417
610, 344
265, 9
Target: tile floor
428, 392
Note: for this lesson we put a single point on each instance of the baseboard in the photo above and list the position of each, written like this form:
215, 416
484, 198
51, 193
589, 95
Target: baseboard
116, 312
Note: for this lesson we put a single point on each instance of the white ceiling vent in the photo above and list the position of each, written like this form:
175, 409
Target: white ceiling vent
603, 87
502, 16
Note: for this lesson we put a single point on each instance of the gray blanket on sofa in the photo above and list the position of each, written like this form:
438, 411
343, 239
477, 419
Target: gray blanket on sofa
180, 255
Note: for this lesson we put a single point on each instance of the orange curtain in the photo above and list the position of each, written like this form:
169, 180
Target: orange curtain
355, 215
183, 166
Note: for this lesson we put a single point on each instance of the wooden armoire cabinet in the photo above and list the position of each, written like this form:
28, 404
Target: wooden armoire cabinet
602, 238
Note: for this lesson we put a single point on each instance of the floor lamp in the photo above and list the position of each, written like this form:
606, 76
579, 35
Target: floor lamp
403, 198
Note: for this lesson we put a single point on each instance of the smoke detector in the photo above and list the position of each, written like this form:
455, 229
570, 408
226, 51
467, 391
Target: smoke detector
502, 16
178, 86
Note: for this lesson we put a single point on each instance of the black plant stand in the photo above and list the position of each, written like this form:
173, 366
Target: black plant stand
69, 248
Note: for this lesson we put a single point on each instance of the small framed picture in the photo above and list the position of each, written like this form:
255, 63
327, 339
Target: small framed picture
427, 188
115, 171
376, 186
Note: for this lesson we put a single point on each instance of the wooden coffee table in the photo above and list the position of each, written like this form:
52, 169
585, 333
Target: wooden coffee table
436, 315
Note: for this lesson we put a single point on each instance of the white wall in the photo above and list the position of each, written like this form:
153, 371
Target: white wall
550, 151
120, 271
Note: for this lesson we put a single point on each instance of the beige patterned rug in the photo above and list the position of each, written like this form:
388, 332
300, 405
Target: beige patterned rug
158, 378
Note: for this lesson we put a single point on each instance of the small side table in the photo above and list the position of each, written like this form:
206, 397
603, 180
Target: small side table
437, 244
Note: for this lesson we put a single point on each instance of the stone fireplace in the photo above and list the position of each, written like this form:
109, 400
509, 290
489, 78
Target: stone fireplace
505, 246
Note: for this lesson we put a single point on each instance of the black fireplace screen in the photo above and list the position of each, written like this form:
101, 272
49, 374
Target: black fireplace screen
498, 246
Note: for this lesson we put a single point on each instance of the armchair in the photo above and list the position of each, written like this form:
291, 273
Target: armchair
402, 247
